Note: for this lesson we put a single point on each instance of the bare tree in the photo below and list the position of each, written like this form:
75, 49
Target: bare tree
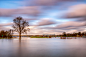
20, 26
10, 33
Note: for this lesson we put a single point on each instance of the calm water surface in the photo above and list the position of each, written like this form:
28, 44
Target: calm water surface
43, 47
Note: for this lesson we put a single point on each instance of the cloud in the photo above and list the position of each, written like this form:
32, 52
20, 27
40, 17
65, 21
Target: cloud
6, 24
37, 31
77, 11
46, 2
30, 19
27, 10
81, 29
45, 21
33, 10
67, 25
4, 28
7, 12
70, 25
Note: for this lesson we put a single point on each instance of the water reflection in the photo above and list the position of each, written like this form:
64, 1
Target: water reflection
68, 37
43, 47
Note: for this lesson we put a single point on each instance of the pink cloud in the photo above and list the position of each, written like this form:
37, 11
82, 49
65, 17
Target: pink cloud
43, 22
27, 10
76, 11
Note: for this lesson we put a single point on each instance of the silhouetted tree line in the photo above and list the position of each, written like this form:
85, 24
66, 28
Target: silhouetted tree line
6, 34
79, 34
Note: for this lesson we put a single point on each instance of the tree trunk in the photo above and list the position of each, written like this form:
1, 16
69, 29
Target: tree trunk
19, 36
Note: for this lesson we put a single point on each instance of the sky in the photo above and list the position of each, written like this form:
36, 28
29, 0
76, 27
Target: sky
45, 16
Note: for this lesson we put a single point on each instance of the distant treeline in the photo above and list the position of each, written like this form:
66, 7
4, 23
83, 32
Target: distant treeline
64, 34
6, 34
79, 34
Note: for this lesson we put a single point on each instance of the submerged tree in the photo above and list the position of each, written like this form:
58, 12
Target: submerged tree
9, 33
64, 34
20, 26
6, 34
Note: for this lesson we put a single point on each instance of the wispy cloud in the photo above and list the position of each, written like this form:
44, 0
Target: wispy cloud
6, 24
30, 10
76, 11
68, 25
45, 21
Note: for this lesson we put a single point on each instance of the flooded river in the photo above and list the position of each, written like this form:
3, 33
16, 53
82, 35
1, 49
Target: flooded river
43, 47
